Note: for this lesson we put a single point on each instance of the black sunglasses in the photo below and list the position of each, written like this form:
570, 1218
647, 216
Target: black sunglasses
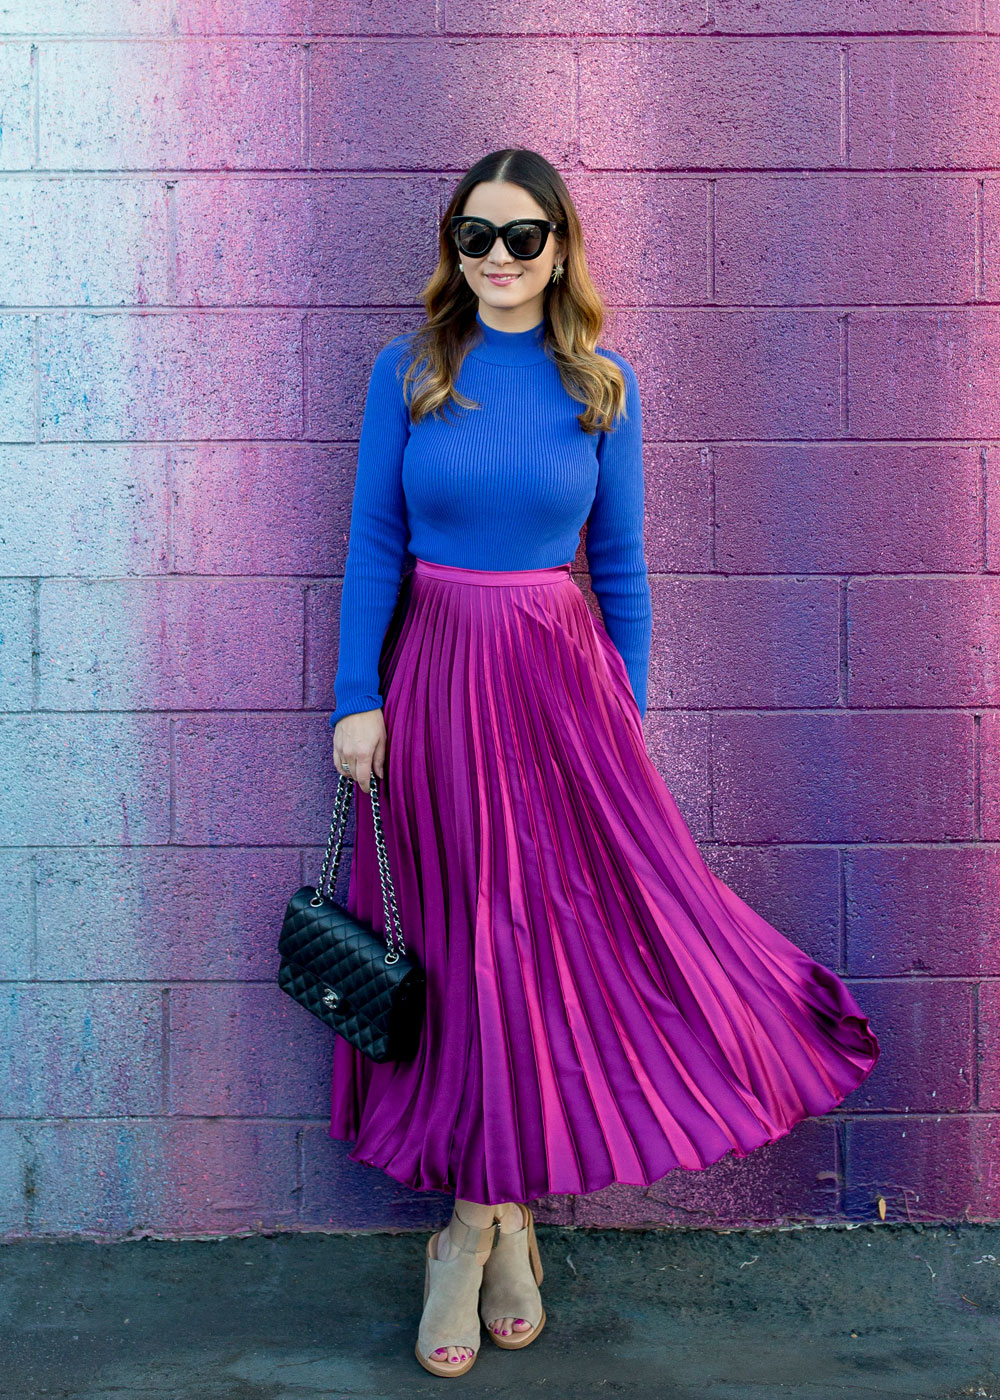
523, 238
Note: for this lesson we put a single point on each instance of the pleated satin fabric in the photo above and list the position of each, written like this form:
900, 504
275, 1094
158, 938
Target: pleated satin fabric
601, 1007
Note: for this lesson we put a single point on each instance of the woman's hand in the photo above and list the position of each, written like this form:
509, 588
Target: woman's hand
359, 746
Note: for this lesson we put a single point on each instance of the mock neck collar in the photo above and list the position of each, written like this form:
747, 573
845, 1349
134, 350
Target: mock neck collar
509, 347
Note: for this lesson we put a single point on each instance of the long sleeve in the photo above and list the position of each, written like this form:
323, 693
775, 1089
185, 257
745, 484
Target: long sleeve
615, 545
378, 540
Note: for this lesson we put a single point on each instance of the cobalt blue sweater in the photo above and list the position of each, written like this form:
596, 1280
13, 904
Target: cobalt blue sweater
507, 485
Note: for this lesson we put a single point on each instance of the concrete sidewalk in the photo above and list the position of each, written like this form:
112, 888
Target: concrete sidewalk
871, 1311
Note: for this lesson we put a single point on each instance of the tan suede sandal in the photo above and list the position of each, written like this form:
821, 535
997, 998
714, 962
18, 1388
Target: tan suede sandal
451, 1289
511, 1276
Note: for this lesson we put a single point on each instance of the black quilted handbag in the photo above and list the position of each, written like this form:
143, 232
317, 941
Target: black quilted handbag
340, 968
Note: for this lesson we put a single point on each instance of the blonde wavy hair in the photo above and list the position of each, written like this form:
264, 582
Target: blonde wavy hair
574, 310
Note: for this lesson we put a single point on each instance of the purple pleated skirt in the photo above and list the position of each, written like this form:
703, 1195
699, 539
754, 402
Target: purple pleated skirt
601, 1007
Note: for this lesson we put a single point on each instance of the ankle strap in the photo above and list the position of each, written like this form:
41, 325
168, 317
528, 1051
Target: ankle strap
468, 1238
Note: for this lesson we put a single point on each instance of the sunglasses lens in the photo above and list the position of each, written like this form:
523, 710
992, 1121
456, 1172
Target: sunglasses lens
473, 239
524, 240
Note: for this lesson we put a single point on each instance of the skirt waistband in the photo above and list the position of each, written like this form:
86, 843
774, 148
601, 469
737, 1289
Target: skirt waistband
509, 578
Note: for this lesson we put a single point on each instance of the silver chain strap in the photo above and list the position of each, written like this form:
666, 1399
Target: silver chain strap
334, 843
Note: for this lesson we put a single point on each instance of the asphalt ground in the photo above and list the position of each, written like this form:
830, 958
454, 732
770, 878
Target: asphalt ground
813, 1313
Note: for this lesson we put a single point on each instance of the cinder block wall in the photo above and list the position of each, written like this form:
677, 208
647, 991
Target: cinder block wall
212, 214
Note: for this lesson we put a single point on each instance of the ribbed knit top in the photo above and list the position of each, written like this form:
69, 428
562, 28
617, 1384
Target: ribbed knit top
507, 485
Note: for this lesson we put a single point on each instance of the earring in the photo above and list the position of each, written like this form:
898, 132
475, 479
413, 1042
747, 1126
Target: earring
557, 272
460, 267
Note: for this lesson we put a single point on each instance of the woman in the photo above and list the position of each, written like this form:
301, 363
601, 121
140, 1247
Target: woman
600, 1006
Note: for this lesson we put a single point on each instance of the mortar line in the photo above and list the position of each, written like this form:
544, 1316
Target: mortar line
974, 1086
840, 1164
386, 38
577, 102
682, 175
977, 778
268, 712
204, 309
306, 617
171, 783
35, 625
304, 363
36, 377
868, 1115
35, 58
845, 104
316, 848
29, 1184
841, 908
305, 150
33, 916
299, 1188
708, 457
165, 1051
843, 643
844, 324
984, 520
171, 483
170, 186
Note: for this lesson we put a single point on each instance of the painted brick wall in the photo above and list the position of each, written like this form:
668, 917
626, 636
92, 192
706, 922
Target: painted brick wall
212, 214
